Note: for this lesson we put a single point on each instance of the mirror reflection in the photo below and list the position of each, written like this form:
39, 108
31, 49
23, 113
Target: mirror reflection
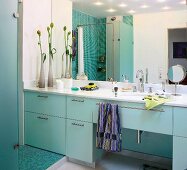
176, 74
122, 41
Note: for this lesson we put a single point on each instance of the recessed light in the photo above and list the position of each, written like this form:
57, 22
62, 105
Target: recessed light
132, 11
183, 2
98, 3
144, 6
111, 10
161, 1
122, 5
166, 8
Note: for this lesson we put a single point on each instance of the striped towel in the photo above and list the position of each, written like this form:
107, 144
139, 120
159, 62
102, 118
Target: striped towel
108, 128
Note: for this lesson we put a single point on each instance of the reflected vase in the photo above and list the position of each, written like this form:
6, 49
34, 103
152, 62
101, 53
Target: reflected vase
67, 73
50, 73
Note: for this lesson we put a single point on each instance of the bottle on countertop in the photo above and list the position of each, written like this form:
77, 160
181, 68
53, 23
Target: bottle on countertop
126, 85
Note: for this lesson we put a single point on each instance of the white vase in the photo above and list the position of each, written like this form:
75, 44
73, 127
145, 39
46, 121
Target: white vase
41, 81
67, 74
50, 74
70, 67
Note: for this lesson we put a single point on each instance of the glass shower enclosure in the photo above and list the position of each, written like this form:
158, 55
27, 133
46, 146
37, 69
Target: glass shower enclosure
8, 85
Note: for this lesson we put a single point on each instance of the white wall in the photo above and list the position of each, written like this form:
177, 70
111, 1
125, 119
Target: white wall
151, 41
61, 16
37, 15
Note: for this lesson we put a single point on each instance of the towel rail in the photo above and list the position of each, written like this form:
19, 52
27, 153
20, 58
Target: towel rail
139, 108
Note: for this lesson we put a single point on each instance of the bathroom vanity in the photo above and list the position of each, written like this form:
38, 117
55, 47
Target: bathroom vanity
65, 122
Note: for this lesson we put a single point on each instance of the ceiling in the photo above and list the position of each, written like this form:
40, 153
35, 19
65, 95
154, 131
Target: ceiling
103, 8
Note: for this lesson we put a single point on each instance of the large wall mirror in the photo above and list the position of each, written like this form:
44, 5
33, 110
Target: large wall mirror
121, 37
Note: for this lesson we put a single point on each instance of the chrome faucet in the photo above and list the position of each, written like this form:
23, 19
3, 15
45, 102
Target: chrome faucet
141, 80
146, 75
110, 79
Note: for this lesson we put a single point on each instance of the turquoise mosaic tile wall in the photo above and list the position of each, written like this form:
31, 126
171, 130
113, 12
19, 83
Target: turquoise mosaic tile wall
94, 45
128, 20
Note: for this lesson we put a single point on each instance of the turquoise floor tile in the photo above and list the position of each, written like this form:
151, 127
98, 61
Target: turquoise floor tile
31, 158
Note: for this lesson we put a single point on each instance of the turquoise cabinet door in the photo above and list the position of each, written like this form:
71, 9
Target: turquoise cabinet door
179, 153
180, 125
45, 132
134, 116
8, 85
80, 108
45, 103
80, 140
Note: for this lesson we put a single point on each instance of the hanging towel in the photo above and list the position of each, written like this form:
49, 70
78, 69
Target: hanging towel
154, 101
116, 130
101, 125
108, 128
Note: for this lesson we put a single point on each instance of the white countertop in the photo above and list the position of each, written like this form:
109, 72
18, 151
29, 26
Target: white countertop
107, 94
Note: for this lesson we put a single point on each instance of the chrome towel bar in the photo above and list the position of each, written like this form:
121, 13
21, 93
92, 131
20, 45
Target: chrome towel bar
139, 108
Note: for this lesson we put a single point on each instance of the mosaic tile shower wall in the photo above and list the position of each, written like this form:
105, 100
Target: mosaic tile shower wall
94, 46
128, 20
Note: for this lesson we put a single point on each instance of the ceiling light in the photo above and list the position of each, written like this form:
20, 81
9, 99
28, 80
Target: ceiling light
166, 8
111, 10
132, 11
122, 5
144, 6
98, 3
183, 2
161, 1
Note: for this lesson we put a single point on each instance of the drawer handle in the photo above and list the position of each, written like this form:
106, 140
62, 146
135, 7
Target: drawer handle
43, 118
138, 108
41, 96
75, 100
78, 124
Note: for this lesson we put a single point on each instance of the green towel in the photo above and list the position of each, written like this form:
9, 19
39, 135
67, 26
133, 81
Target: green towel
153, 101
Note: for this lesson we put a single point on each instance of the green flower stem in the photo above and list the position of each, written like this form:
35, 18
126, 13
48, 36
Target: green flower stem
40, 45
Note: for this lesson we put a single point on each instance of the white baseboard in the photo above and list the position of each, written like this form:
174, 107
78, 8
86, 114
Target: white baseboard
58, 164
132, 154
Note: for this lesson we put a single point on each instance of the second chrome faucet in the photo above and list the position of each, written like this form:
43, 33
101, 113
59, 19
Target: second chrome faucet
140, 76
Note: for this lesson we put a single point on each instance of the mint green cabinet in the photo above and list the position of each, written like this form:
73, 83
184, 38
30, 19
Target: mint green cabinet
80, 140
81, 108
180, 121
180, 138
77, 108
135, 116
179, 153
45, 132
45, 103
45, 124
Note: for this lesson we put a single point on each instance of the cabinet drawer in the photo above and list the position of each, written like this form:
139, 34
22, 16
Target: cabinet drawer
179, 153
45, 132
45, 103
80, 108
180, 122
80, 140
134, 116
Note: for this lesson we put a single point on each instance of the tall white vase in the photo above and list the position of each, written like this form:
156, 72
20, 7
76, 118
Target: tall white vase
50, 74
67, 73
41, 81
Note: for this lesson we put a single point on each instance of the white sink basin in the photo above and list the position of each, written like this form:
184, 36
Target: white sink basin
135, 94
